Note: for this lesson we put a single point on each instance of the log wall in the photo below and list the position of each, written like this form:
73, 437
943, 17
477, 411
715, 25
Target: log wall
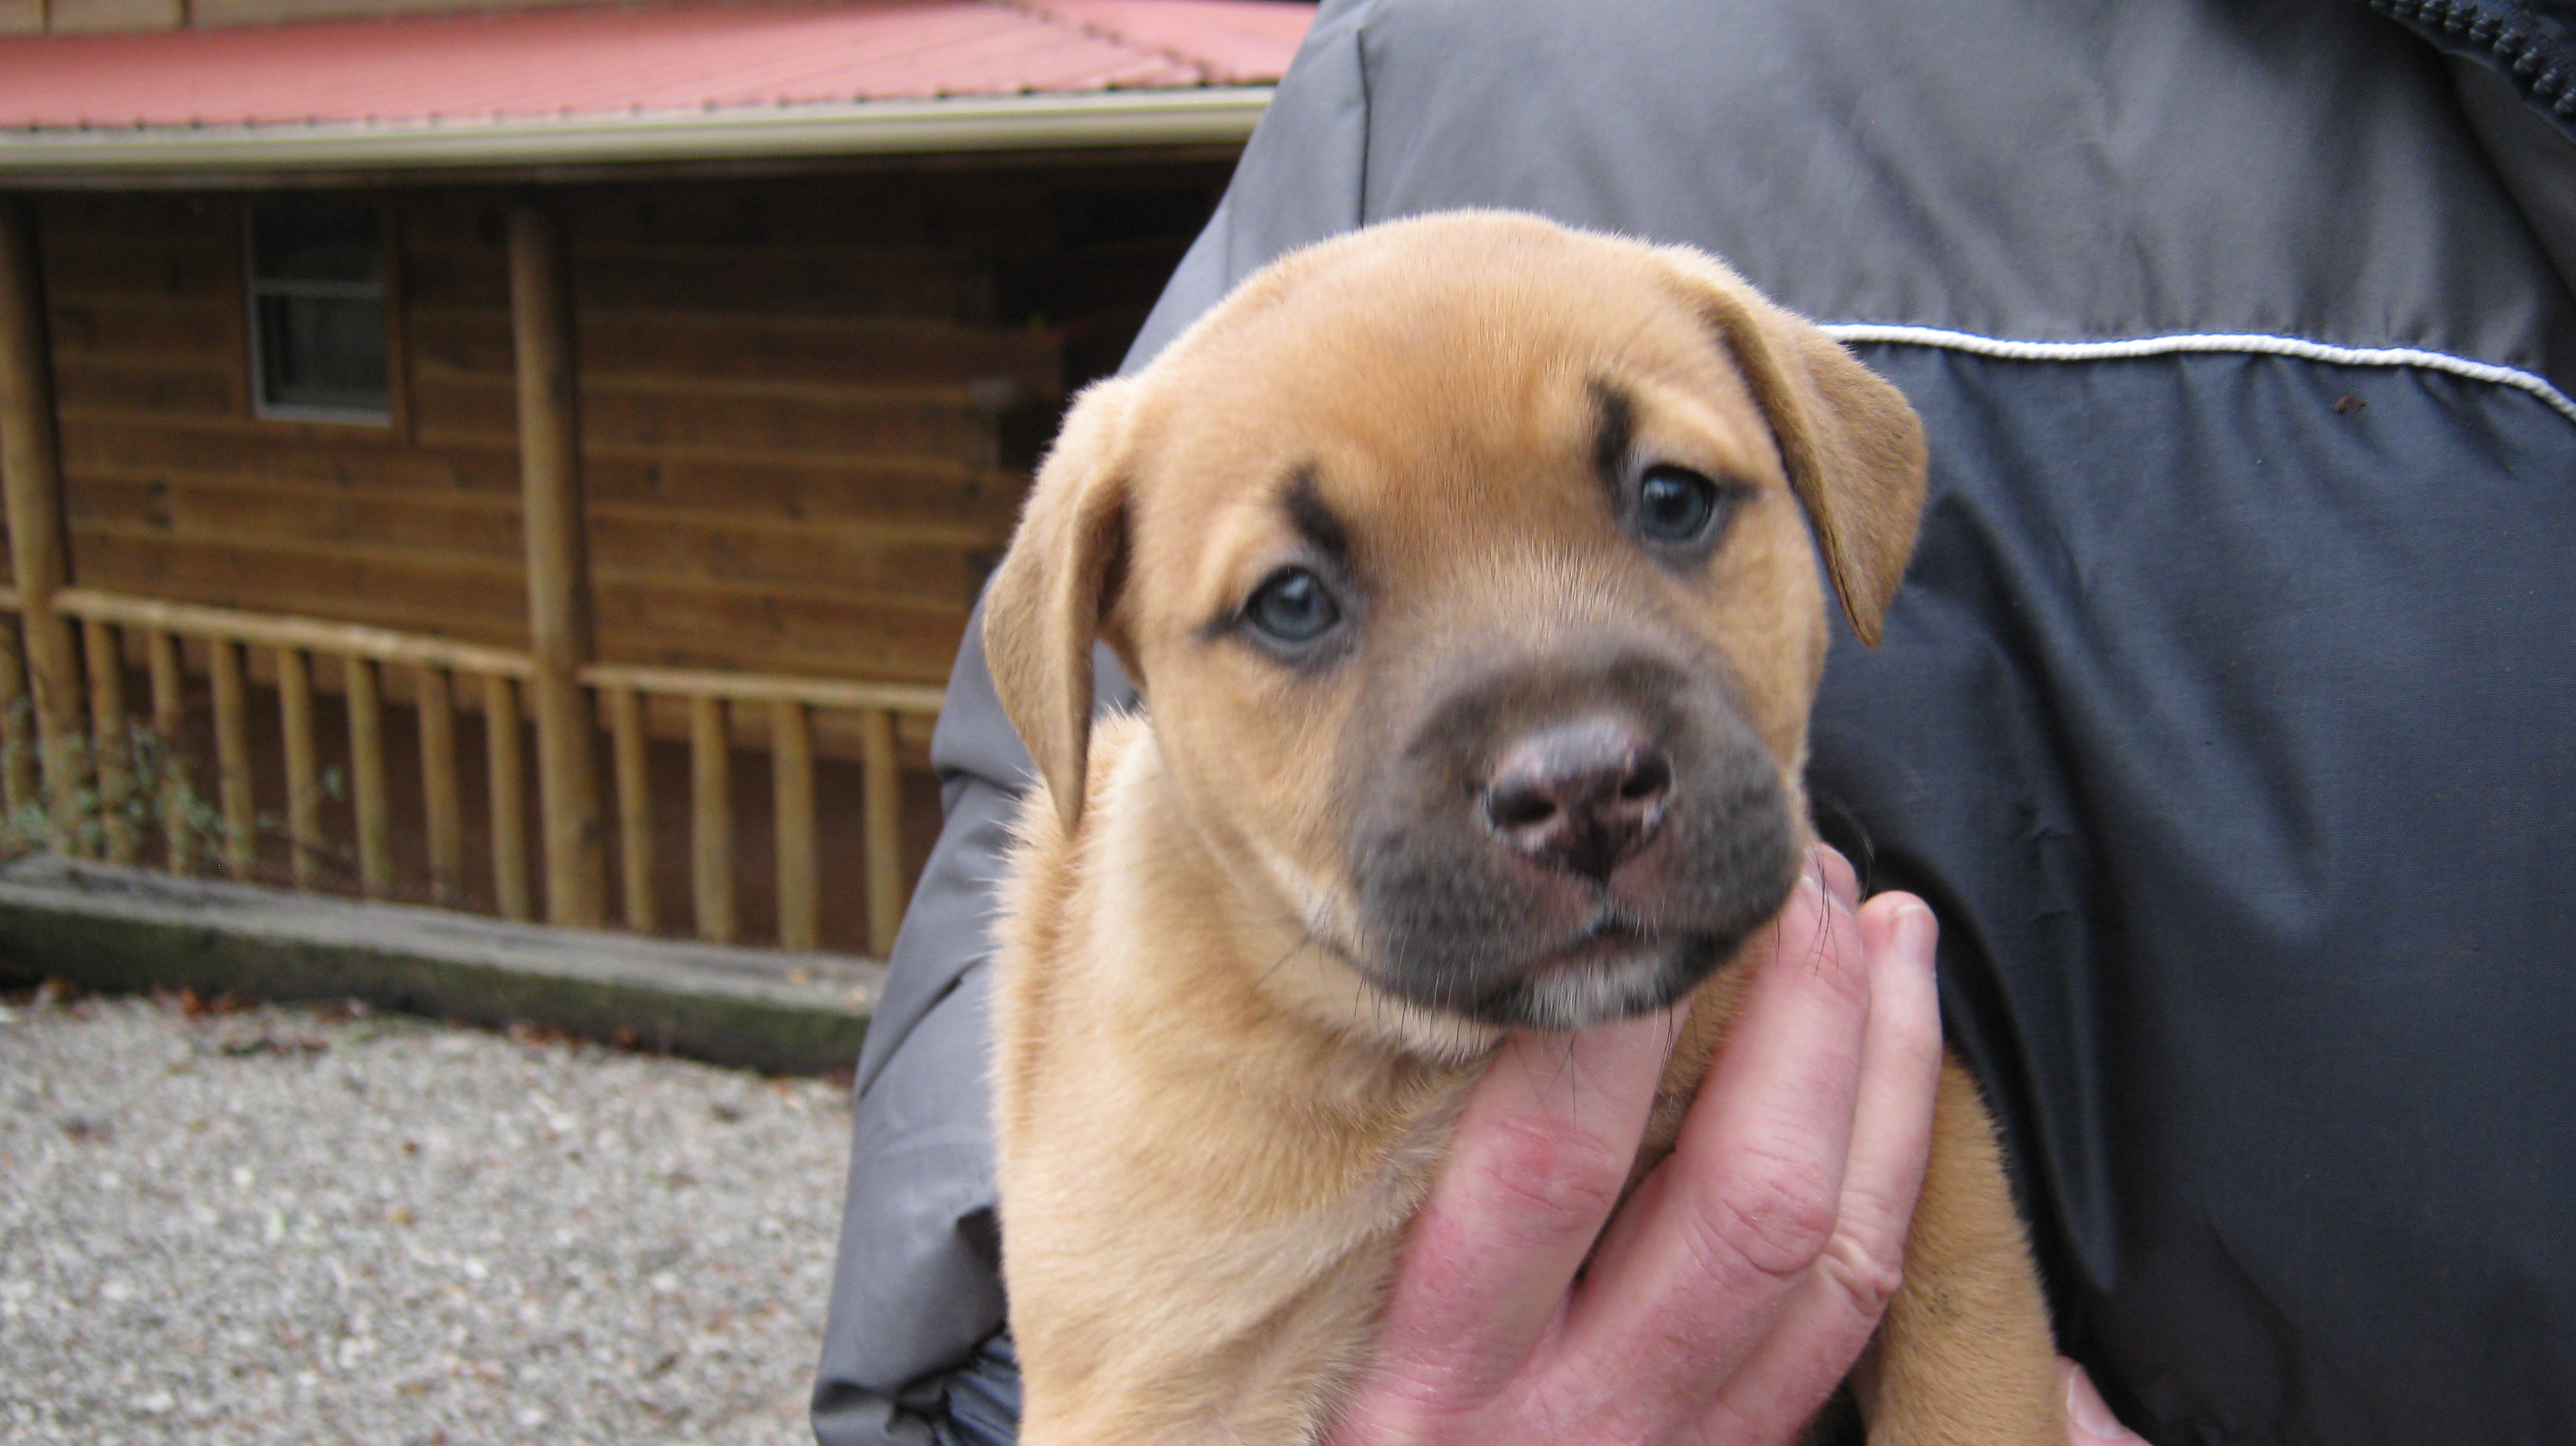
808, 406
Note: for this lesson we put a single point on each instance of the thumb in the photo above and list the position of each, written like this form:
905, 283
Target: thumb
2089, 1421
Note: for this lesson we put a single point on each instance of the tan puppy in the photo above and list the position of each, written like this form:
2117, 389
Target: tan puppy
1464, 564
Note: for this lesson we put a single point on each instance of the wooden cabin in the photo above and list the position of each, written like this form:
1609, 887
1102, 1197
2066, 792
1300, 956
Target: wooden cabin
541, 461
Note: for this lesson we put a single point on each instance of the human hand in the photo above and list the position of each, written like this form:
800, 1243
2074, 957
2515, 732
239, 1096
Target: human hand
1740, 1283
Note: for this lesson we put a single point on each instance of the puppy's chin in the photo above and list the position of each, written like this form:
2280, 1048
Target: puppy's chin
1578, 993
1607, 976
1596, 982
1432, 1034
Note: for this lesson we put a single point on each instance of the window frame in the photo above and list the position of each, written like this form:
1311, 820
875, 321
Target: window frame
383, 289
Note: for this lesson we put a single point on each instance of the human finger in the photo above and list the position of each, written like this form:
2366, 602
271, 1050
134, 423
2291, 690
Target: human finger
2089, 1421
1836, 871
1830, 1316
1696, 1270
1537, 1163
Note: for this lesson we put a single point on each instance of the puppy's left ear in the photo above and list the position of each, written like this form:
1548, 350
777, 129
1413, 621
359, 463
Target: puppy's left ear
1055, 588
1853, 447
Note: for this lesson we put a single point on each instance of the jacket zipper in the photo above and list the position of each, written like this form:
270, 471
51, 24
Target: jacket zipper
2534, 61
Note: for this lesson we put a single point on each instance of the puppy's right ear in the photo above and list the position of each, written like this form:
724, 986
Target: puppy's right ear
1055, 587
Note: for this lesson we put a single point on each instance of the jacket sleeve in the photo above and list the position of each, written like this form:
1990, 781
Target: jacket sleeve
917, 1292
916, 1286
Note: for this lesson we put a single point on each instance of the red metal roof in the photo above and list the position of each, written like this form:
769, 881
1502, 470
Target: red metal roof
704, 57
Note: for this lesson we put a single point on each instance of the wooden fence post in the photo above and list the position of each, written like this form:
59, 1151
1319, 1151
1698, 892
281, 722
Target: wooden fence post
303, 765
441, 799
711, 818
791, 771
559, 624
367, 775
634, 808
17, 730
509, 797
108, 740
31, 476
169, 721
232, 755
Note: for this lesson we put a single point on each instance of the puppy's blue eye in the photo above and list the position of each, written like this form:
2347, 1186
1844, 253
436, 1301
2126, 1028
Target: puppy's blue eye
1292, 606
1674, 504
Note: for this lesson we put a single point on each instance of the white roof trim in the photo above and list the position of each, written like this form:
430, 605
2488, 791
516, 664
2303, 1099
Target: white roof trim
1197, 116
2218, 342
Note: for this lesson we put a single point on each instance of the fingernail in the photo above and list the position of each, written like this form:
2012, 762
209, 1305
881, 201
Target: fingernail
1917, 933
2085, 1408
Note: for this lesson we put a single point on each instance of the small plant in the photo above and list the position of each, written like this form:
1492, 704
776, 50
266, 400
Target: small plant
158, 803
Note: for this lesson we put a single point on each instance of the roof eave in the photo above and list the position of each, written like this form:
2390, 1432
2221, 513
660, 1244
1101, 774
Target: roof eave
1120, 118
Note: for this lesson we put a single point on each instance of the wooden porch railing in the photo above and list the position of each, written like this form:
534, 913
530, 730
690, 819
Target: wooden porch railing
791, 703
440, 670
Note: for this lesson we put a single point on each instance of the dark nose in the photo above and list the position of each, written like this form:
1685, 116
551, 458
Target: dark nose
1581, 796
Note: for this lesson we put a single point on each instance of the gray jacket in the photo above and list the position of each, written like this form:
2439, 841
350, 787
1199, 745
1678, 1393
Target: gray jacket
2228, 716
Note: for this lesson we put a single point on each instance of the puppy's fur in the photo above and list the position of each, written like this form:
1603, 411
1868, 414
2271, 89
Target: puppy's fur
1550, 497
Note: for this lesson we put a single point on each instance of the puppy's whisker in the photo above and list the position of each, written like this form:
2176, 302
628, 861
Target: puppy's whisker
1822, 941
1562, 1046
1303, 941
1574, 1083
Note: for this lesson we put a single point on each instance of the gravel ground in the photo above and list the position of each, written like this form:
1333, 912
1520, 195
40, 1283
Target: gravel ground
285, 1225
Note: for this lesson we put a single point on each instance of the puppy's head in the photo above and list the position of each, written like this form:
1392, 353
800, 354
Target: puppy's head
1465, 564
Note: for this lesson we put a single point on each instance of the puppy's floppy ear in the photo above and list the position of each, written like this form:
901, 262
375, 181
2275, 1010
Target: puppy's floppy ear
1055, 587
1853, 447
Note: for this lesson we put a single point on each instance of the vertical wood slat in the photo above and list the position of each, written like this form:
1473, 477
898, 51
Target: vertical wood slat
365, 683
232, 756
18, 787
441, 798
62, 749
509, 798
169, 721
31, 485
303, 765
791, 774
558, 566
110, 752
634, 808
124, 754
881, 820
711, 819
568, 800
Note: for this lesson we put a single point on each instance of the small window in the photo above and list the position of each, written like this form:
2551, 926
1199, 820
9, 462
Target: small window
317, 298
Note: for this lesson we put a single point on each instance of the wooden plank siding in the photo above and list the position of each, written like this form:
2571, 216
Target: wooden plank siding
809, 407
